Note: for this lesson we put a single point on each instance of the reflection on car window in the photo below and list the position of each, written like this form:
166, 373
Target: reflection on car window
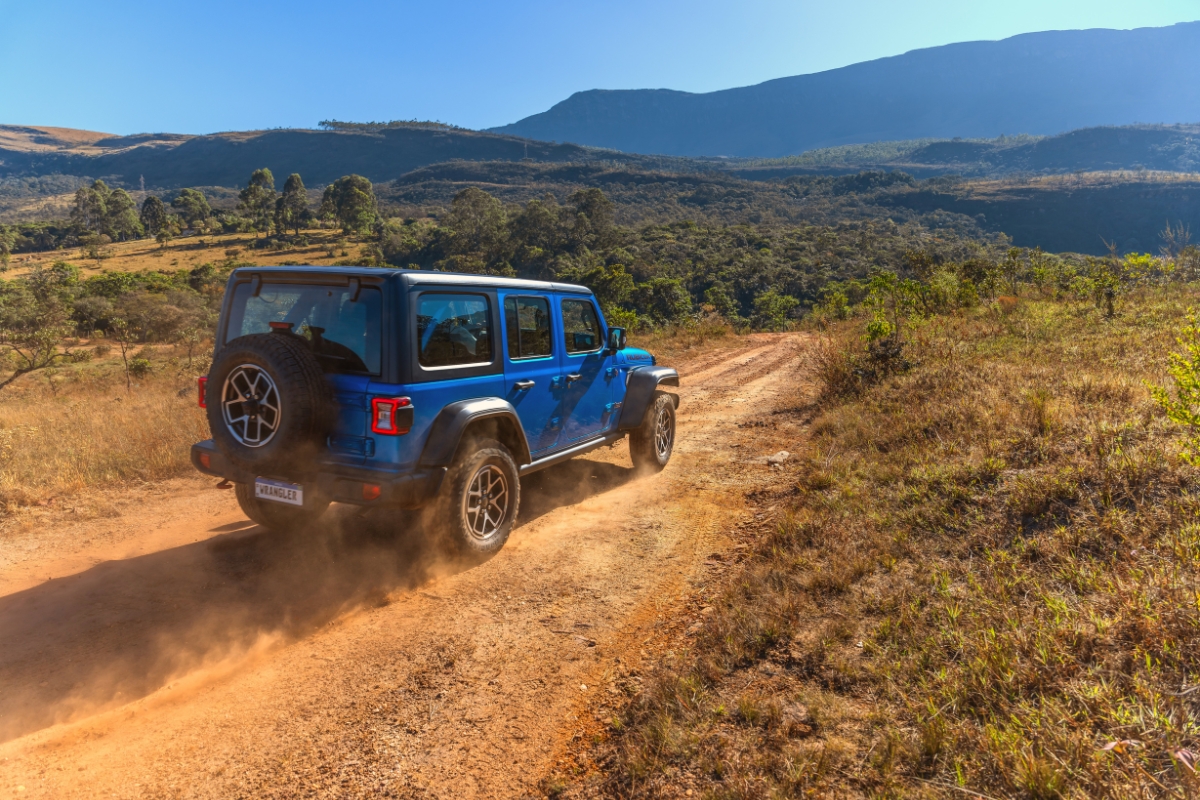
453, 330
344, 333
581, 328
527, 324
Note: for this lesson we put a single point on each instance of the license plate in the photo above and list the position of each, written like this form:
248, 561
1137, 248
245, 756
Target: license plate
280, 492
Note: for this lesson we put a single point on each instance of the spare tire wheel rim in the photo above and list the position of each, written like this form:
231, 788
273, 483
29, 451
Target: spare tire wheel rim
485, 505
663, 435
250, 405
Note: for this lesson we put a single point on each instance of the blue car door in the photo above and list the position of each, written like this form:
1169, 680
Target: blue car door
585, 367
531, 370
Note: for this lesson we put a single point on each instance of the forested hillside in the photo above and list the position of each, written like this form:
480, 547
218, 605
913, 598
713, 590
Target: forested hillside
379, 152
1171, 148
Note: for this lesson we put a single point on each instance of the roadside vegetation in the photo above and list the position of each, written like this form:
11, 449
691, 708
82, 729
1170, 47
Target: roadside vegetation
146, 282
981, 577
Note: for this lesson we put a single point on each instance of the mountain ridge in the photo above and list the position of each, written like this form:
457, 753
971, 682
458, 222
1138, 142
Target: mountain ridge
168, 160
1039, 83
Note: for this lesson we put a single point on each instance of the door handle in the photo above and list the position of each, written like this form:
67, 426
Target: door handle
522, 386
574, 376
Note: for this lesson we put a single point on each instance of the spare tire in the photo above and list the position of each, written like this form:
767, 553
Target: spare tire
269, 406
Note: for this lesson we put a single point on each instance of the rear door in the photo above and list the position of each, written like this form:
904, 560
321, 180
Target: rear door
531, 368
585, 371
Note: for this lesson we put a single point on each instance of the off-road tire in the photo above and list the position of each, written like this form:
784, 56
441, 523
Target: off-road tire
652, 442
278, 516
450, 517
305, 402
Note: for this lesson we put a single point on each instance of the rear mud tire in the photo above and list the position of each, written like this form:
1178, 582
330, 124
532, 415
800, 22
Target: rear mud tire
477, 506
300, 394
651, 444
278, 516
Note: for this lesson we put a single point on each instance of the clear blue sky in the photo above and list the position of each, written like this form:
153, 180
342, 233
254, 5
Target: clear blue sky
128, 66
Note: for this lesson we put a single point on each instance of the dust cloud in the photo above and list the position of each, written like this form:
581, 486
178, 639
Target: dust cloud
125, 629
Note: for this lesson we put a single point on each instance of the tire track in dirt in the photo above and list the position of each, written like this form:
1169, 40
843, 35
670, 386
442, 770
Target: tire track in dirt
342, 663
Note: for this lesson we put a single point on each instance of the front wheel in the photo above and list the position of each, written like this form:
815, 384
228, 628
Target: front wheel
477, 506
650, 445
277, 516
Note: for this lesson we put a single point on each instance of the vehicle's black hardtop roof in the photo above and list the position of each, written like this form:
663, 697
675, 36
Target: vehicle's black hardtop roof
420, 277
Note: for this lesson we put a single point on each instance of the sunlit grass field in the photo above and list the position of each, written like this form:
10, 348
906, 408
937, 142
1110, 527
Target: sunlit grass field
983, 580
324, 247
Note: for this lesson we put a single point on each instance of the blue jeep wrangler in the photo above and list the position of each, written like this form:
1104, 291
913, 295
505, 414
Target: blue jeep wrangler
418, 390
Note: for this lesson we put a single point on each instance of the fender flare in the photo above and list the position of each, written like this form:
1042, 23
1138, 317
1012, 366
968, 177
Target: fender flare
639, 391
452, 422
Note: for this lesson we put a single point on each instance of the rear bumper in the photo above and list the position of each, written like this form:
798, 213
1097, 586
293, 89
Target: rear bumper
339, 483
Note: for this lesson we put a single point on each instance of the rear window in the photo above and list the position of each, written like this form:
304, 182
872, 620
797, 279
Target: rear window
343, 332
453, 330
527, 321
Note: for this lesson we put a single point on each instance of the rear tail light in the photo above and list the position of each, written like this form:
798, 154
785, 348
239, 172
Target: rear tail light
205, 461
391, 416
203, 383
371, 491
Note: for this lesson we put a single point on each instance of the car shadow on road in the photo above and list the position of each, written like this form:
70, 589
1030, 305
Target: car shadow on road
123, 629
569, 483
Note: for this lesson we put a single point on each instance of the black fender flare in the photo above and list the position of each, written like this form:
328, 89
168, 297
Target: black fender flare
639, 391
452, 422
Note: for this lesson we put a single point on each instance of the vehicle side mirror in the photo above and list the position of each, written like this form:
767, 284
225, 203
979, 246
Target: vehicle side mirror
616, 339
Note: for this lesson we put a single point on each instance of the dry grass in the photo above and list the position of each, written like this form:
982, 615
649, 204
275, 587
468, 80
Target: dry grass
985, 578
77, 428
323, 249
683, 342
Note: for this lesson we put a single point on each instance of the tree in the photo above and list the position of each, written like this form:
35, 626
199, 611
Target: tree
477, 224
53, 284
31, 330
612, 286
8, 239
257, 200
664, 300
593, 225
291, 209
91, 207
771, 309
154, 215
121, 217
192, 206
350, 200
1012, 269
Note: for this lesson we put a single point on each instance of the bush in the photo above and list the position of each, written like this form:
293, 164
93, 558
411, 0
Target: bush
140, 367
772, 309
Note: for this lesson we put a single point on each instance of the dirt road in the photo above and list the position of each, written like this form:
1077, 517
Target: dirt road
177, 650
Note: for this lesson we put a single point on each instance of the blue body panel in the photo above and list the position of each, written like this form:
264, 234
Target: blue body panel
401, 453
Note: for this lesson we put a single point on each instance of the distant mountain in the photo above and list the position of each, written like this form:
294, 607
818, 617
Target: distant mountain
1036, 83
227, 159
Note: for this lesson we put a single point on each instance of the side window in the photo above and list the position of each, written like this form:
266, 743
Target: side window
581, 328
527, 321
453, 330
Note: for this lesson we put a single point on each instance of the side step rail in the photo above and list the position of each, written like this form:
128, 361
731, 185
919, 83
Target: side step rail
571, 452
